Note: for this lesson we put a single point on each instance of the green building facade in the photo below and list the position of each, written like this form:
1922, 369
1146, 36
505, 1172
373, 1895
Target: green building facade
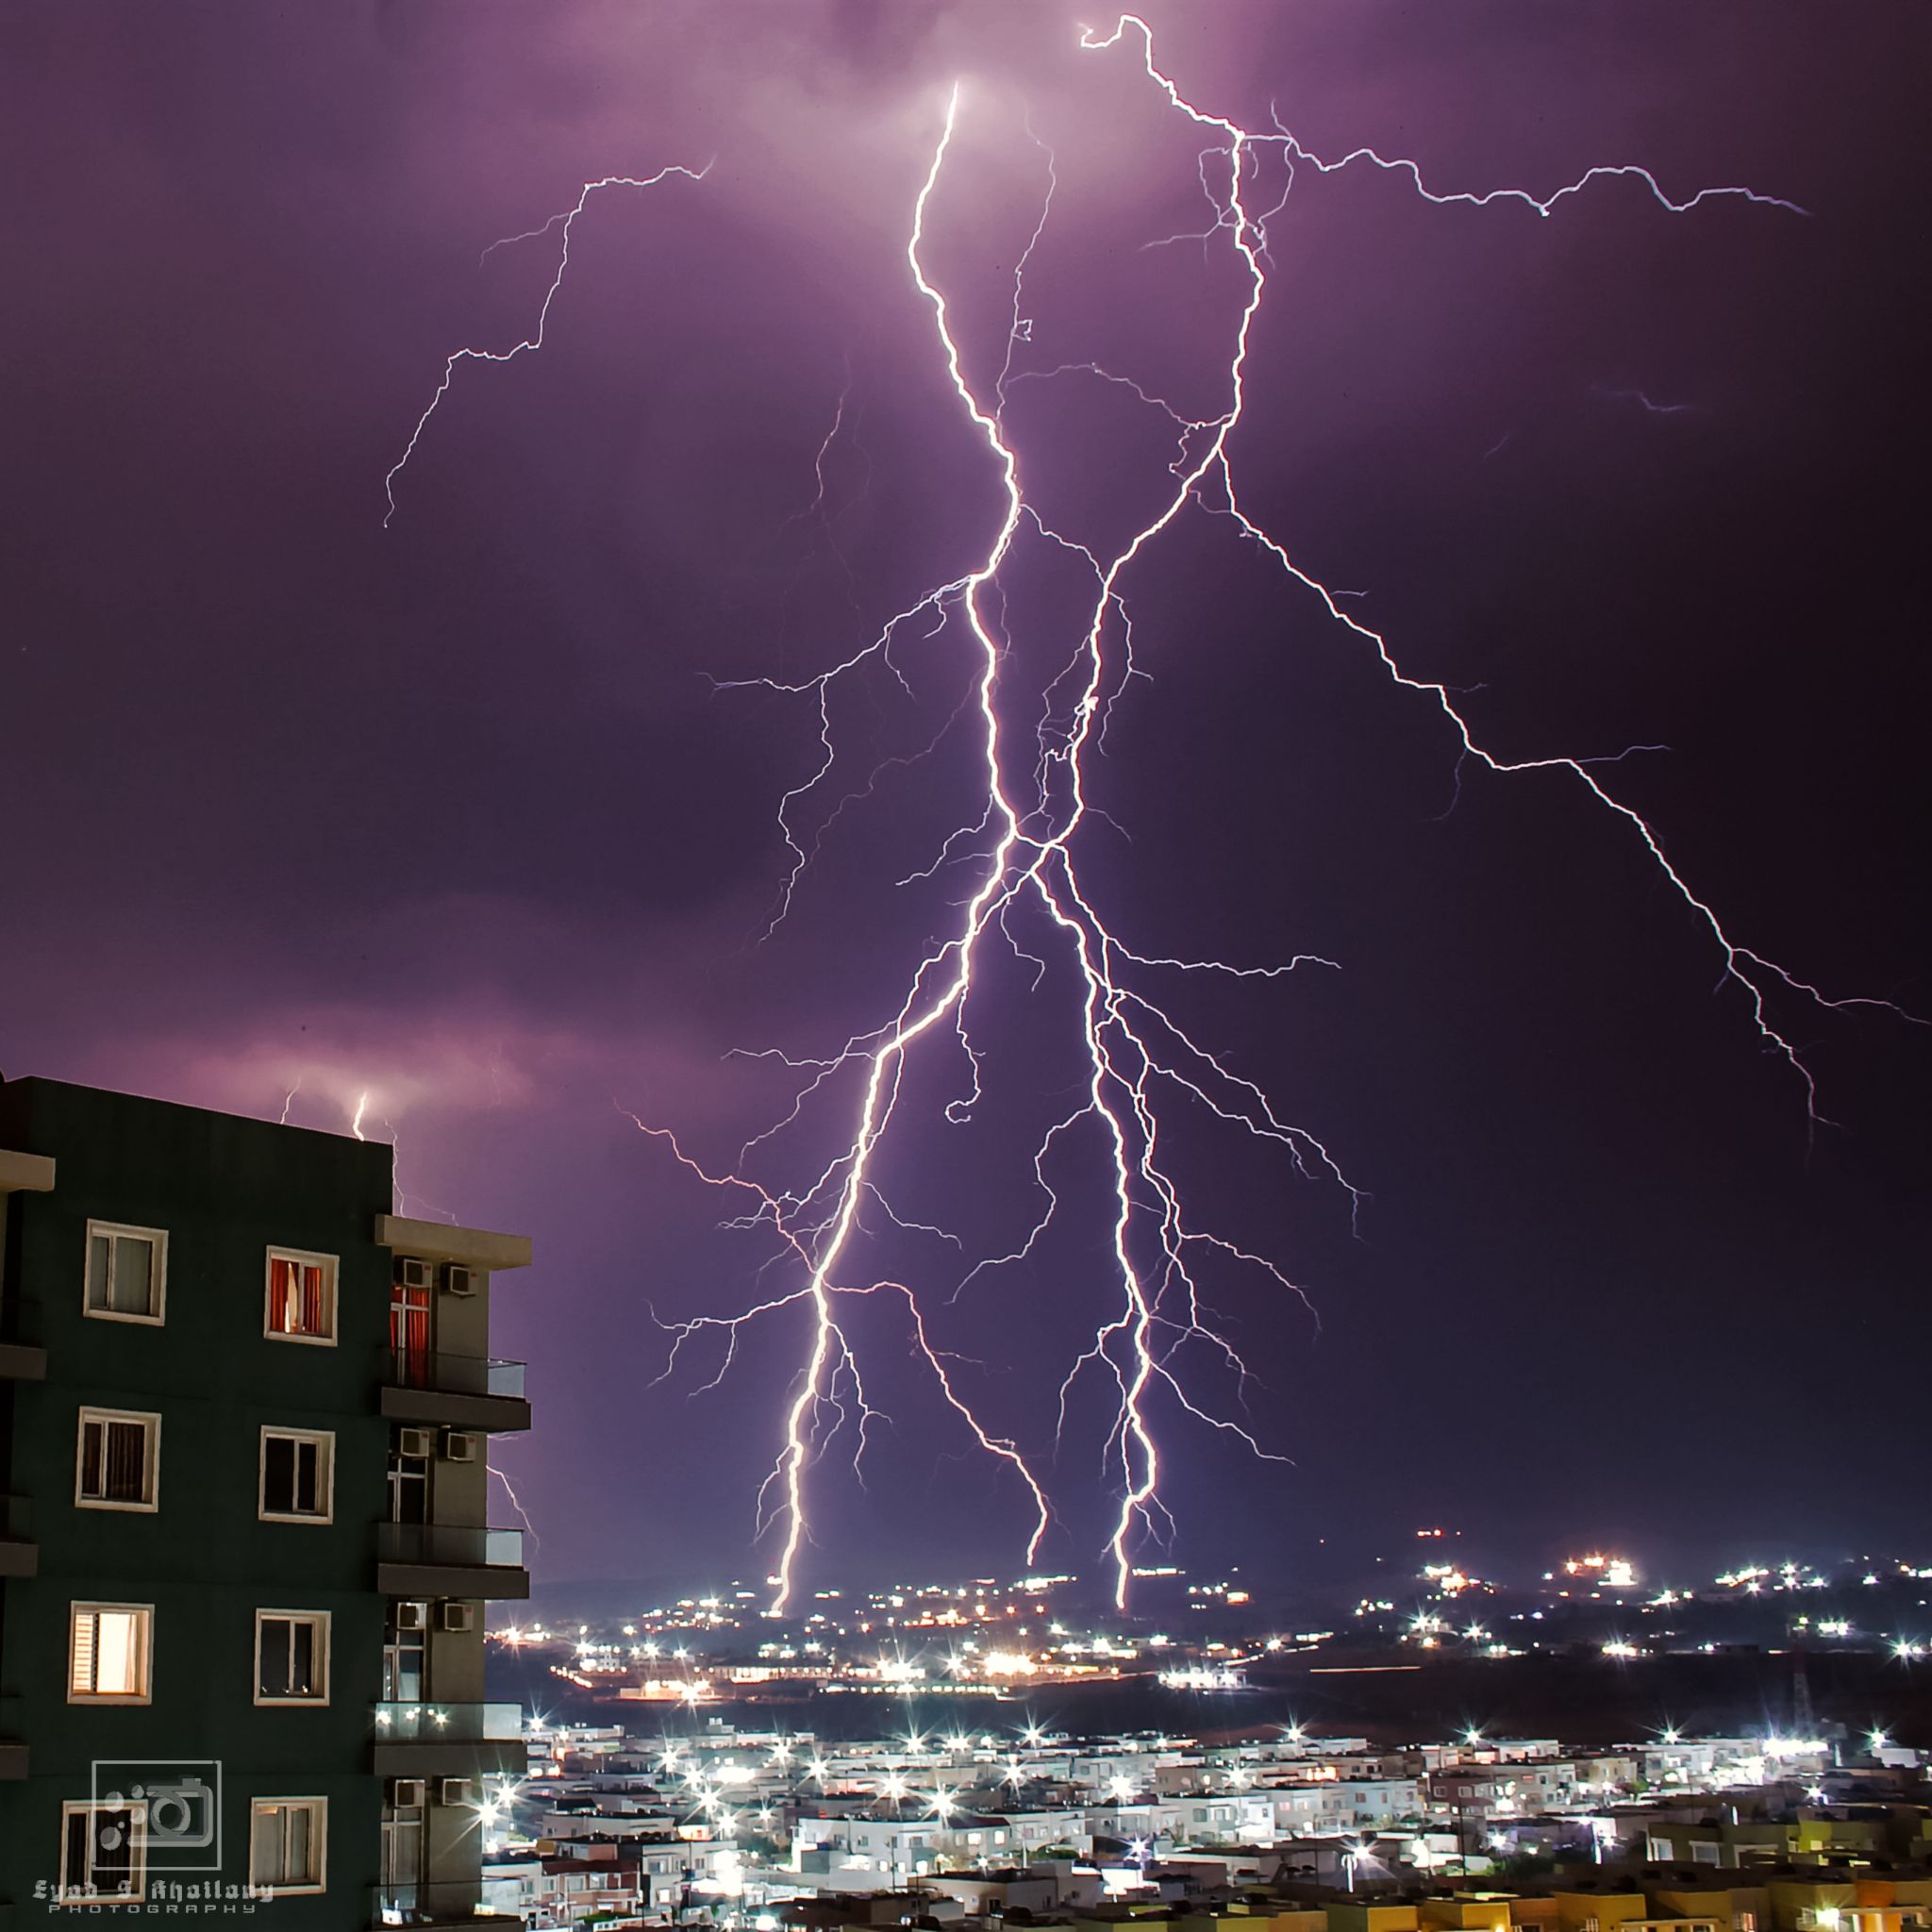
244, 1553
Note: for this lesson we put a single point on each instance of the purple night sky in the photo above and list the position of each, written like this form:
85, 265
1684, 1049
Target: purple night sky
455, 811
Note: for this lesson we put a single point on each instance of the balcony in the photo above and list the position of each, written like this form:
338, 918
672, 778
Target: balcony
452, 1902
13, 1751
458, 1391
436, 1740
444, 1560
22, 1357
19, 1556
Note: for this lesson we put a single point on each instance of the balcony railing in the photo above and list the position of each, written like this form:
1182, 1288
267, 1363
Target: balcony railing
450, 1374
429, 1722
445, 1542
451, 1901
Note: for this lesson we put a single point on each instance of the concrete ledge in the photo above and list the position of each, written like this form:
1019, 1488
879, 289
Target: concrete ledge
12, 1765
24, 1560
494, 1582
26, 1173
436, 1406
497, 1760
436, 1240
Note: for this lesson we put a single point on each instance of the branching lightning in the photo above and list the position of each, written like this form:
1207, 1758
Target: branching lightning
1019, 847
534, 340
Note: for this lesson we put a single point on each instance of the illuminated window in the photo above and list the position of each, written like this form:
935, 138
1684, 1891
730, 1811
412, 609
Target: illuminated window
126, 1272
117, 1459
297, 1468
108, 1652
301, 1297
101, 1855
287, 1842
292, 1656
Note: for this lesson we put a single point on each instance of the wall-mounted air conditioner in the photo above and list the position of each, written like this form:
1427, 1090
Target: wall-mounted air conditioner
456, 1279
459, 1445
412, 1616
412, 1271
406, 1793
419, 1444
452, 1791
456, 1616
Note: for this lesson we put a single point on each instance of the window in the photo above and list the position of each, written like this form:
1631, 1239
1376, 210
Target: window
408, 1487
404, 1652
107, 1651
126, 1271
287, 1842
296, 1469
102, 1850
117, 1459
301, 1297
292, 1656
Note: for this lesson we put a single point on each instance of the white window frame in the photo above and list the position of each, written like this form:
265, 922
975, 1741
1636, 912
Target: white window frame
152, 1465
326, 1514
330, 1265
86, 1807
85, 1606
158, 1238
323, 1648
259, 1809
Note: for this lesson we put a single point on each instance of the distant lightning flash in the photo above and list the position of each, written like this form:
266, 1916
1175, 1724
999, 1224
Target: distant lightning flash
534, 340
1137, 1063
515, 1502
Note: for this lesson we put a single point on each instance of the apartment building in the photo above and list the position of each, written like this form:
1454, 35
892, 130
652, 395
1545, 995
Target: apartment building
245, 1541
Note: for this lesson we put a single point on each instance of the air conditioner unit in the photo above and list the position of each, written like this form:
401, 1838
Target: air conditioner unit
456, 1279
459, 1445
417, 1443
412, 1271
405, 1792
412, 1616
456, 1616
452, 1791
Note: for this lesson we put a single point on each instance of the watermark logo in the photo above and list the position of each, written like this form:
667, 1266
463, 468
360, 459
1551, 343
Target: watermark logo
175, 1804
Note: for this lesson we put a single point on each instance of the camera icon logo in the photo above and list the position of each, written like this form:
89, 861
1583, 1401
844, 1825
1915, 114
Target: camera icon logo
172, 1806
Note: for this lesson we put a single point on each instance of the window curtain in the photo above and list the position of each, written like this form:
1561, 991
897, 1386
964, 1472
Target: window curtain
296, 1299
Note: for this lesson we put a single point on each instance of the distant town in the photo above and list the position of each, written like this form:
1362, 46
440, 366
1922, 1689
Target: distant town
618, 1825
938, 1755
1012, 1637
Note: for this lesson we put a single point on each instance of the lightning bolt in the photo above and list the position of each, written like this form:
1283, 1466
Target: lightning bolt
1137, 1062
515, 1502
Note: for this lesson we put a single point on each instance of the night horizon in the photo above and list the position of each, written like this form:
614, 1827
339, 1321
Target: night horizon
479, 801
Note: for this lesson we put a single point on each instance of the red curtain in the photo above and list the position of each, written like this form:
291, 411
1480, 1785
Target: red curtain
296, 1305
408, 1333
